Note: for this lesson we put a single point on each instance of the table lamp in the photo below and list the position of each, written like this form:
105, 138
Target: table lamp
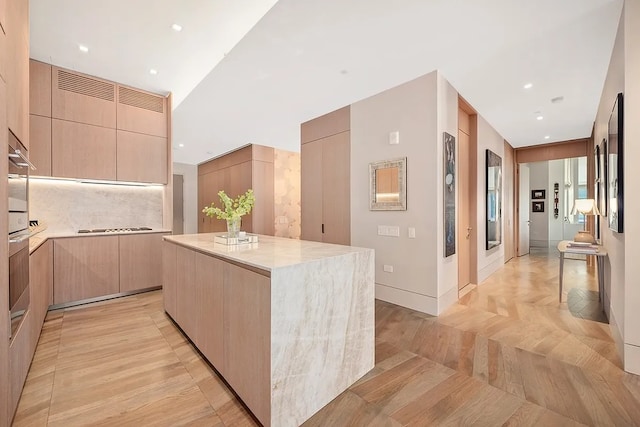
584, 207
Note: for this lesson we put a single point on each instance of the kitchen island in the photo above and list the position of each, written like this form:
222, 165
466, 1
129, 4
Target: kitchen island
288, 323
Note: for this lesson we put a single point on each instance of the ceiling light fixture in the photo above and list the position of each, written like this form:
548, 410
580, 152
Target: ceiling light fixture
153, 71
539, 117
83, 48
180, 145
547, 137
176, 27
528, 85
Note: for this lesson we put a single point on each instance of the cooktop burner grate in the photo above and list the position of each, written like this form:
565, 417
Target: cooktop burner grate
114, 230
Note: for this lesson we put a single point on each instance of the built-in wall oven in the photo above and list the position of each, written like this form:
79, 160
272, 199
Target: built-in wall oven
18, 204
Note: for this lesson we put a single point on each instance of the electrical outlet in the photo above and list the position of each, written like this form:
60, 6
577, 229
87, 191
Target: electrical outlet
388, 268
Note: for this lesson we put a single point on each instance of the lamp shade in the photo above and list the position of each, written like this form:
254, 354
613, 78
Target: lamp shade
585, 207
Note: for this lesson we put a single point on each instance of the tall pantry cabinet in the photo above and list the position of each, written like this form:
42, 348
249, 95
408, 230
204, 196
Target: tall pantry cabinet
325, 178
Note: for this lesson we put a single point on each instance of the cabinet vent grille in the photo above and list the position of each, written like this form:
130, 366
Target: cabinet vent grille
140, 99
85, 86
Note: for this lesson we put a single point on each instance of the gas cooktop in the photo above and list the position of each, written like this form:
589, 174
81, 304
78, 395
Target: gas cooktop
114, 230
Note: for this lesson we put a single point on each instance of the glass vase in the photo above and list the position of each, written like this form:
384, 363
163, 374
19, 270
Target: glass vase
233, 227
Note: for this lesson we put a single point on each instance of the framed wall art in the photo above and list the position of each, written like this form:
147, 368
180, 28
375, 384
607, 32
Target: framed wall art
615, 182
537, 206
538, 194
449, 194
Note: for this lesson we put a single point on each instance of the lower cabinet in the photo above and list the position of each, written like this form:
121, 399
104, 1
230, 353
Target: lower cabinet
23, 344
85, 267
140, 255
208, 298
92, 267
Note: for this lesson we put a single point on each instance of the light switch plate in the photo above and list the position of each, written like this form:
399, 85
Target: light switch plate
412, 232
388, 268
394, 138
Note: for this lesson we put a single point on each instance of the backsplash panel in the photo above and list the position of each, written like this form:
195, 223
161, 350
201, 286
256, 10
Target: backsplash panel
70, 206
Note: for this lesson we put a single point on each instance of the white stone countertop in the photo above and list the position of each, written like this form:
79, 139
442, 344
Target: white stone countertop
39, 237
268, 254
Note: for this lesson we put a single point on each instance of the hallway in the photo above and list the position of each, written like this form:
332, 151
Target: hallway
507, 353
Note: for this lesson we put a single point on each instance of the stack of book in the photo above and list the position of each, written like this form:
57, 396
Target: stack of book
582, 247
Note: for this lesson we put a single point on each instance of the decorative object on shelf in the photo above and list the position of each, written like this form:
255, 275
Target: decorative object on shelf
538, 194
233, 210
537, 207
556, 199
243, 237
449, 194
615, 166
584, 207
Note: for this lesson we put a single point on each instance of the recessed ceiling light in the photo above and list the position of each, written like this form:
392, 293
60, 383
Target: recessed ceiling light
83, 48
153, 71
547, 137
528, 85
176, 27
539, 117
180, 145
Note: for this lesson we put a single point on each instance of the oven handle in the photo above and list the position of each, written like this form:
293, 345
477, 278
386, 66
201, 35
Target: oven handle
18, 154
19, 239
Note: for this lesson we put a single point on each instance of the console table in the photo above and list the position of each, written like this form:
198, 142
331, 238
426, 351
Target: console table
600, 254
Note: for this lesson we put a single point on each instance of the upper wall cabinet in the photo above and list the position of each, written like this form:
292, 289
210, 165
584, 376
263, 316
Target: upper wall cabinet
141, 112
141, 158
39, 88
17, 78
84, 99
82, 151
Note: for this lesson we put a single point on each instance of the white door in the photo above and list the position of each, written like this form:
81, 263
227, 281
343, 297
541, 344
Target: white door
523, 207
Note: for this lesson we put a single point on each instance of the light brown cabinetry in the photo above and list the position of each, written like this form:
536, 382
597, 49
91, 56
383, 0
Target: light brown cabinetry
169, 278
225, 311
17, 78
141, 158
247, 337
80, 98
40, 146
141, 112
24, 342
40, 287
325, 178
139, 266
209, 279
85, 267
248, 167
82, 151
3, 42
39, 88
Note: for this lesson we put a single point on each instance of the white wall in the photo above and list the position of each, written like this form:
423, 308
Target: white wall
410, 109
190, 195
622, 292
631, 177
447, 122
488, 260
539, 229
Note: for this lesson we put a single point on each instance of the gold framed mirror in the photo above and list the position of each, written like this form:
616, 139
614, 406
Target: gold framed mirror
387, 183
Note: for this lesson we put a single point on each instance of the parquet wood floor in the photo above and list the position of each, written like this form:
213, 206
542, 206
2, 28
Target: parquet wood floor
507, 354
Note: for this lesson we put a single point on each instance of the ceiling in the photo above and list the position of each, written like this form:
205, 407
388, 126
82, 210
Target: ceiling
250, 71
